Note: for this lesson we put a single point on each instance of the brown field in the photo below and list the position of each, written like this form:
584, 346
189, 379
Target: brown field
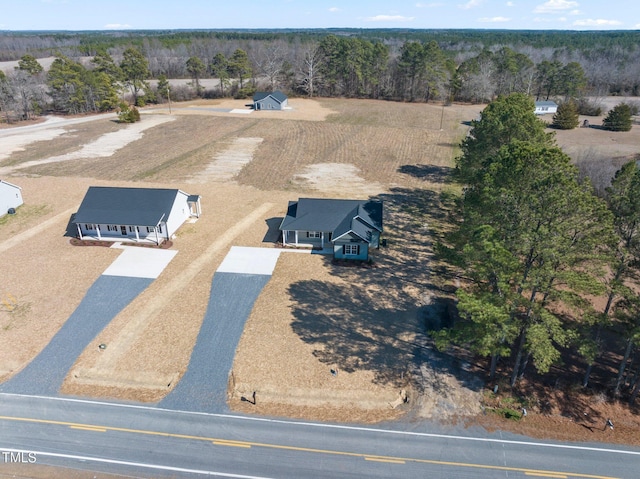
312, 316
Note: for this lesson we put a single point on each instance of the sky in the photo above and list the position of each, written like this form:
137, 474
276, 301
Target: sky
298, 14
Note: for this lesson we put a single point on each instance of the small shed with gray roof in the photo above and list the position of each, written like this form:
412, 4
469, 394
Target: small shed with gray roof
134, 214
348, 227
275, 100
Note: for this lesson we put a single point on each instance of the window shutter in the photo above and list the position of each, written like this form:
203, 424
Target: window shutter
343, 248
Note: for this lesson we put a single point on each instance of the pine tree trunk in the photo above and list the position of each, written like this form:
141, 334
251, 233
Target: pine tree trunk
623, 365
524, 365
587, 374
494, 364
636, 390
516, 366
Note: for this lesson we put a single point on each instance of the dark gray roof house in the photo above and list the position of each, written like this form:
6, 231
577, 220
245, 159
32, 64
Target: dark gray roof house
348, 227
264, 100
134, 214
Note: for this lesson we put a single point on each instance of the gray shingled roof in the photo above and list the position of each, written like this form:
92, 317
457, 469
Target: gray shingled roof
337, 216
126, 206
277, 95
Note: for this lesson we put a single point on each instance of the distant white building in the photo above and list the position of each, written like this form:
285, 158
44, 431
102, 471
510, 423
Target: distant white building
10, 197
544, 107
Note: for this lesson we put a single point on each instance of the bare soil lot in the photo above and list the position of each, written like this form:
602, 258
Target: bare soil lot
365, 324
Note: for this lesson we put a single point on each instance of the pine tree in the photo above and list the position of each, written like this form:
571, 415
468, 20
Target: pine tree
567, 117
504, 120
619, 118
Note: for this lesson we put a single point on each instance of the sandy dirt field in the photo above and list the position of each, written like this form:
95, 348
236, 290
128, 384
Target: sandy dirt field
367, 325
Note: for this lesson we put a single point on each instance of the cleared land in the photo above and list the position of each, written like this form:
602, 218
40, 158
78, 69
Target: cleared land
312, 317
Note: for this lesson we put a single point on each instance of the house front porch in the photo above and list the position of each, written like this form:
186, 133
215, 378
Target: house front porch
307, 239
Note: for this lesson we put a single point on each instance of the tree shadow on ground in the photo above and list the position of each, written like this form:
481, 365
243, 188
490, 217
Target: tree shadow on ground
377, 318
433, 173
353, 334
273, 230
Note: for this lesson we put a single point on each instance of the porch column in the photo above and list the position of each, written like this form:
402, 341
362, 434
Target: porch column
284, 237
98, 231
79, 230
137, 235
322, 239
156, 230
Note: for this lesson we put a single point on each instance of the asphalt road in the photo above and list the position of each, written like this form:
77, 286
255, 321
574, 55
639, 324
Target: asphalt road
148, 442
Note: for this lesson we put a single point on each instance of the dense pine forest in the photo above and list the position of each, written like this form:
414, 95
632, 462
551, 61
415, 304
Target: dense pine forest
93, 68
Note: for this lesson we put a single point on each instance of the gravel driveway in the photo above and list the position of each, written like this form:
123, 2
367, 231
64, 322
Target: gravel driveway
234, 289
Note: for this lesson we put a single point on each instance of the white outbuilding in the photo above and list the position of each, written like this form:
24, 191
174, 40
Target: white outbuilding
546, 106
10, 197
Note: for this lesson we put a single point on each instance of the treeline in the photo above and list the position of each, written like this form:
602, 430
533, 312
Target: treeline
535, 245
386, 64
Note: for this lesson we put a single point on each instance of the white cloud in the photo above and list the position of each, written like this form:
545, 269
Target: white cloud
389, 18
117, 26
510, 4
575, 12
589, 22
494, 19
549, 20
470, 4
334, 9
553, 6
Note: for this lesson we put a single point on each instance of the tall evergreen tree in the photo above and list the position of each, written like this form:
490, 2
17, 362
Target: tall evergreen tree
567, 117
531, 240
135, 72
239, 66
504, 120
29, 64
196, 69
618, 119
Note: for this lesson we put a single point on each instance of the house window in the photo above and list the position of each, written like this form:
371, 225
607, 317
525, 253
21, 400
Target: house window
313, 234
159, 228
351, 249
150, 229
112, 228
89, 227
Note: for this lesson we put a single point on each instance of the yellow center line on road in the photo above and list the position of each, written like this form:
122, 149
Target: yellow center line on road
226, 442
382, 459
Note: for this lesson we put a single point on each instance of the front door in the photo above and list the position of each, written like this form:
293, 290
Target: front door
123, 230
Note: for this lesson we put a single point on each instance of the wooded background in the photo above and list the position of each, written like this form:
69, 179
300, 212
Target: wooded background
392, 64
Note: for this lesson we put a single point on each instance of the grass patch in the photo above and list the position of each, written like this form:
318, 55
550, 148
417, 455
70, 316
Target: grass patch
505, 412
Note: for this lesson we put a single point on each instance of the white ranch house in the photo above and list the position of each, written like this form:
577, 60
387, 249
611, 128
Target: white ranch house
545, 107
10, 197
134, 214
